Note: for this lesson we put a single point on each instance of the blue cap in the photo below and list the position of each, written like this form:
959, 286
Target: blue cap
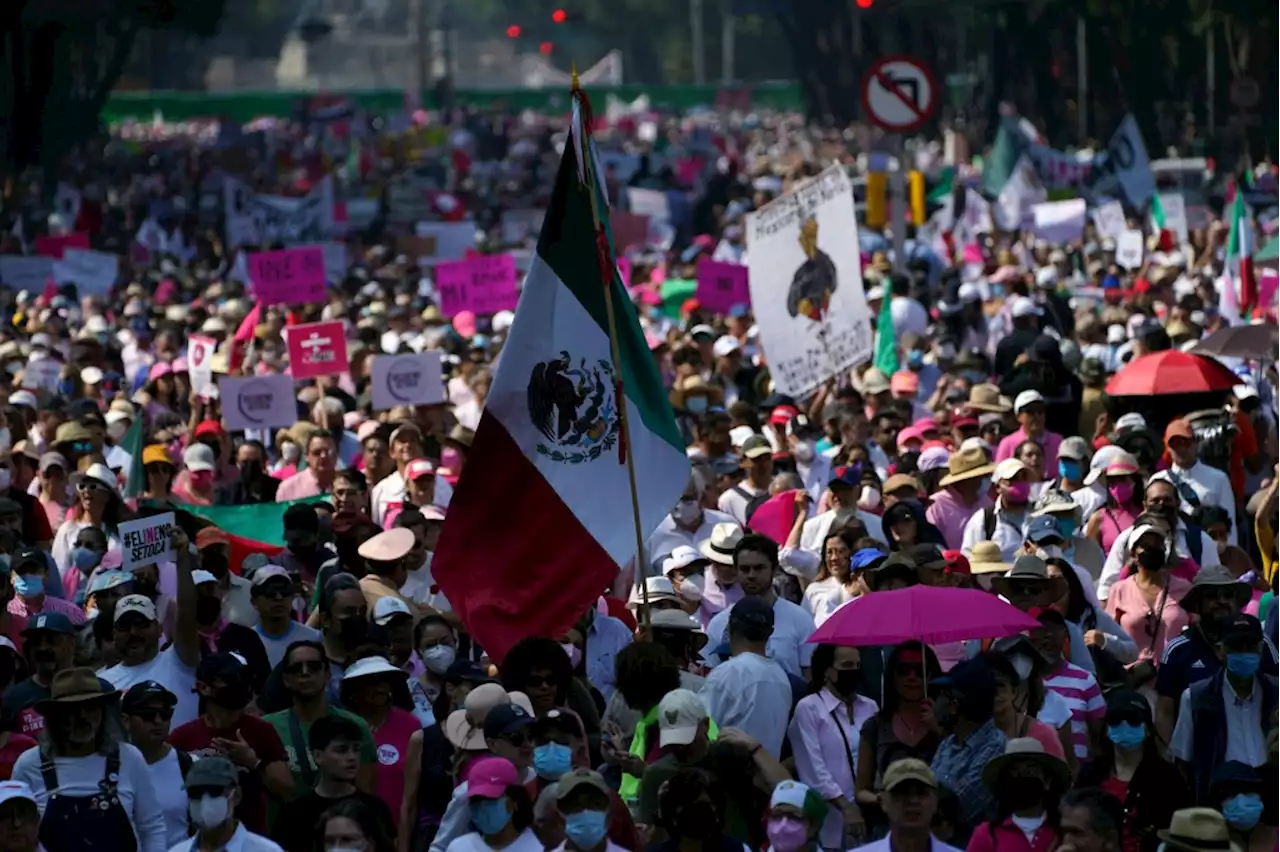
846, 474
968, 676
1043, 527
866, 558
53, 622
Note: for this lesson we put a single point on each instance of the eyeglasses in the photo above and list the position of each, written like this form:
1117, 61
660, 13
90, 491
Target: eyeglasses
150, 715
275, 593
88, 485
305, 667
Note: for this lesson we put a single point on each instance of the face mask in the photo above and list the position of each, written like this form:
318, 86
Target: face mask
1239, 663
573, 652
803, 452
438, 658
552, 760
847, 681
1243, 811
28, 585
1022, 665
1069, 469
490, 816
691, 588
869, 498
787, 834
1051, 551
352, 630
116, 430
586, 828
6, 478
696, 405
289, 452
915, 359
85, 559
1021, 793
1121, 492
209, 812
251, 471
202, 480
687, 512
1152, 560
1067, 526
1018, 493
208, 610
1126, 736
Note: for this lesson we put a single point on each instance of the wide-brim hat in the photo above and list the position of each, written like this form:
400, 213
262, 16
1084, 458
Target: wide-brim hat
694, 386
75, 686
1027, 750
1198, 830
966, 464
987, 558
1215, 576
720, 546
1027, 567
986, 397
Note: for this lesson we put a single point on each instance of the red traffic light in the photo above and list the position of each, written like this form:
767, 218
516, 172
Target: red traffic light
545, 48
863, 4
559, 16
513, 31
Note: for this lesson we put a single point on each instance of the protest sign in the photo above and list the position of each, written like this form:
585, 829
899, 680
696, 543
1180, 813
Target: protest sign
317, 349
51, 246
806, 284
257, 402
1108, 220
407, 380
93, 272
335, 260
450, 240
1129, 249
649, 203
1175, 215
255, 220
42, 374
25, 273
200, 350
629, 229
1059, 222
722, 285
1125, 164
146, 540
289, 276
482, 285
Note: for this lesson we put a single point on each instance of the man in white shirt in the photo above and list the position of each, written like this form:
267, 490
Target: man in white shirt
213, 791
909, 799
751, 692
688, 523
756, 558
1193, 478
757, 462
389, 494
843, 487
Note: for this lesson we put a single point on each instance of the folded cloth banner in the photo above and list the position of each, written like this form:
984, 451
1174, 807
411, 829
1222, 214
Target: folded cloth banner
262, 523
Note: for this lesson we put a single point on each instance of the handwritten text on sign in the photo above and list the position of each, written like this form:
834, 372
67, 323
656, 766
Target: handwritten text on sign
317, 349
722, 285
483, 285
146, 540
288, 277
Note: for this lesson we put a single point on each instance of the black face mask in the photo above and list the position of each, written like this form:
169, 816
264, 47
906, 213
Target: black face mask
250, 471
1021, 793
208, 610
352, 630
847, 681
1153, 559
233, 696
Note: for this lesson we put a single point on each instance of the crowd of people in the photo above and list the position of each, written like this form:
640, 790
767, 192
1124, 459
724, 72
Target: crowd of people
323, 694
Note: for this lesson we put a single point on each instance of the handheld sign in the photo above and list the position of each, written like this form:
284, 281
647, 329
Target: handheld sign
482, 285
42, 374
258, 402
289, 276
317, 349
93, 272
200, 351
1129, 249
146, 540
722, 285
407, 380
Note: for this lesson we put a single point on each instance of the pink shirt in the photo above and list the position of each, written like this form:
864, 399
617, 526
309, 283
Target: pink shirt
74, 614
392, 741
1127, 606
1048, 441
1010, 838
949, 514
298, 486
825, 745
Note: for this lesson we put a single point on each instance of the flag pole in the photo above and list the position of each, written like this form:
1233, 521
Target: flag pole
608, 267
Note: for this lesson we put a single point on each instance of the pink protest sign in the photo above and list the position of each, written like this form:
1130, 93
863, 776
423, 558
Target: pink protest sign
482, 285
317, 349
624, 271
288, 277
722, 285
54, 246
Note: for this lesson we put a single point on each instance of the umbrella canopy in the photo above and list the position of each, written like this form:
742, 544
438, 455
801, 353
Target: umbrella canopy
1171, 372
929, 614
1260, 340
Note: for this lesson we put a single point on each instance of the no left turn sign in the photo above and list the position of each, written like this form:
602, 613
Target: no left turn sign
899, 94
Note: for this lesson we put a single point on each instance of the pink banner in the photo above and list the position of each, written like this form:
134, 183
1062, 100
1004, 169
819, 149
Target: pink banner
317, 349
482, 285
775, 516
288, 277
1268, 283
53, 247
722, 285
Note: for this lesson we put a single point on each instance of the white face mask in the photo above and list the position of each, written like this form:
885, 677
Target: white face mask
438, 658
1053, 551
289, 452
117, 430
869, 498
804, 452
209, 811
687, 512
1022, 665
691, 588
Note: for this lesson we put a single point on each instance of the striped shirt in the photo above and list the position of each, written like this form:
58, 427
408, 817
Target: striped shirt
1080, 690
74, 614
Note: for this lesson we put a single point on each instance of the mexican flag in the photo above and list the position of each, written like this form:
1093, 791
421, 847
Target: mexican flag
1239, 261
1168, 239
541, 521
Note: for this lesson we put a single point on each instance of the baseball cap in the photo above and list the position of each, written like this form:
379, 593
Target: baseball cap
1041, 528
145, 693
968, 676
419, 468
680, 713
724, 345
908, 769
1242, 628
52, 622
1027, 397
756, 446
134, 604
751, 613
199, 577
1021, 306
577, 779
52, 459
198, 458
216, 771
10, 790
505, 719
1074, 447
387, 608
682, 556
1179, 428
489, 777
270, 572
222, 665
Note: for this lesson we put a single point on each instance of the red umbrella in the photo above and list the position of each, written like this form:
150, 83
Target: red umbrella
929, 614
1171, 372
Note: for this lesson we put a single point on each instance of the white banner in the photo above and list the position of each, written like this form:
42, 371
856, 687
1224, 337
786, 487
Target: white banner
93, 272
1129, 249
18, 272
1108, 220
407, 380
258, 402
146, 540
259, 220
450, 240
1060, 222
200, 351
806, 284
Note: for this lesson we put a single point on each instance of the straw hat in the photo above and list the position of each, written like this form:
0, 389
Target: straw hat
695, 385
465, 728
1030, 568
720, 547
1198, 830
987, 397
1215, 576
987, 558
75, 686
1027, 750
966, 464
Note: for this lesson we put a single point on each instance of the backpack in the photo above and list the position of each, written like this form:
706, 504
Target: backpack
754, 501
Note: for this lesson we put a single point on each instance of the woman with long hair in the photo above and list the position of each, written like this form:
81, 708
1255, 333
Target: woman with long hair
541, 669
1123, 502
1146, 603
1128, 766
352, 825
834, 584
1013, 708
1030, 700
97, 504
1027, 784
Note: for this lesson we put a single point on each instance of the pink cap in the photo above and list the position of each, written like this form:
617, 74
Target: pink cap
904, 381
464, 322
158, 369
911, 433
180, 364
366, 429
926, 424
419, 468
489, 777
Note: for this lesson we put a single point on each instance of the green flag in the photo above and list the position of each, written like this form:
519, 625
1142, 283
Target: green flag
262, 522
886, 347
136, 477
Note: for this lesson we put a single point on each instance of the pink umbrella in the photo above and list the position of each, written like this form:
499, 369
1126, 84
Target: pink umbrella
929, 614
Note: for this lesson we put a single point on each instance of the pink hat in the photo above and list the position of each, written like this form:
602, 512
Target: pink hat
926, 424
180, 364
904, 381
489, 777
366, 429
464, 322
911, 433
352, 419
158, 369
419, 468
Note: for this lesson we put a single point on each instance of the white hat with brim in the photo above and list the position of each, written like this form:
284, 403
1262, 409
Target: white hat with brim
11, 790
657, 589
371, 667
681, 557
1008, 469
720, 546
1027, 750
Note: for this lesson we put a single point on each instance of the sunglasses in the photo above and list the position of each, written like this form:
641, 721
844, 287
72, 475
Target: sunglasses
541, 680
305, 667
1026, 587
153, 714
275, 593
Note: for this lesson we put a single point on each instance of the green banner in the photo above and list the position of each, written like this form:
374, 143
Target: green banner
262, 522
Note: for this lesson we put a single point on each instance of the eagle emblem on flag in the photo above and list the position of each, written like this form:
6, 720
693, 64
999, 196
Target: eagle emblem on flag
574, 408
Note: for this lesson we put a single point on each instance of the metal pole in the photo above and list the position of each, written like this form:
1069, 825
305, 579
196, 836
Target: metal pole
726, 48
422, 70
695, 31
1082, 80
897, 202
1211, 87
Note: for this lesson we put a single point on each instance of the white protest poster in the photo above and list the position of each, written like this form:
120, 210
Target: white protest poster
1129, 249
25, 273
93, 272
649, 202
42, 374
1175, 214
451, 240
1125, 165
806, 284
257, 402
1108, 220
407, 380
253, 219
66, 201
200, 350
146, 540
1059, 222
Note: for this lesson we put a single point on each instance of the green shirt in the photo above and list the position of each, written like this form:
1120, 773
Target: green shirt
368, 752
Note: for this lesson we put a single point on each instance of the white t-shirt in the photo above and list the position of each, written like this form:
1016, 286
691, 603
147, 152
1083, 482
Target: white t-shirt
788, 646
166, 780
734, 504
80, 777
243, 840
474, 842
167, 669
908, 315
277, 645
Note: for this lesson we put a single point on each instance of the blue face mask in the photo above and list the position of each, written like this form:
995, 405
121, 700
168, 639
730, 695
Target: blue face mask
1069, 469
586, 828
85, 559
1243, 663
1243, 811
552, 760
490, 815
915, 359
28, 585
1067, 527
1126, 735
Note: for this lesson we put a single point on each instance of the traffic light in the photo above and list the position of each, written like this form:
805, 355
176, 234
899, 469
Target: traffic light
916, 196
545, 48
559, 16
863, 4
513, 31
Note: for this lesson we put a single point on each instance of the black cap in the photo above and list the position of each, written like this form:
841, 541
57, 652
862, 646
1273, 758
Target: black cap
52, 622
505, 719
466, 671
147, 693
968, 676
1235, 775
751, 611
1243, 629
926, 556
27, 556
220, 665
301, 517
1126, 705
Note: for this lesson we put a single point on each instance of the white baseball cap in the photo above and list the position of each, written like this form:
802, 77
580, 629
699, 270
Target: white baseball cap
10, 790
269, 572
681, 557
388, 608
90, 375
724, 345
1021, 306
135, 603
198, 457
679, 715
1047, 277
1027, 397
200, 577
1007, 469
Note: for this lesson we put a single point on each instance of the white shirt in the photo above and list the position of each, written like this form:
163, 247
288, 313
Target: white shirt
667, 537
243, 840
417, 588
80, 777
1090, 499
277, 645
816, 529
389, 493
167, 669
823, 598
788, 646
908, 315
1119, 556
166, 780
1245, 741
117, 458
1008, 533
733, 503
753, 694
1212, 488
886, 845
474, 842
